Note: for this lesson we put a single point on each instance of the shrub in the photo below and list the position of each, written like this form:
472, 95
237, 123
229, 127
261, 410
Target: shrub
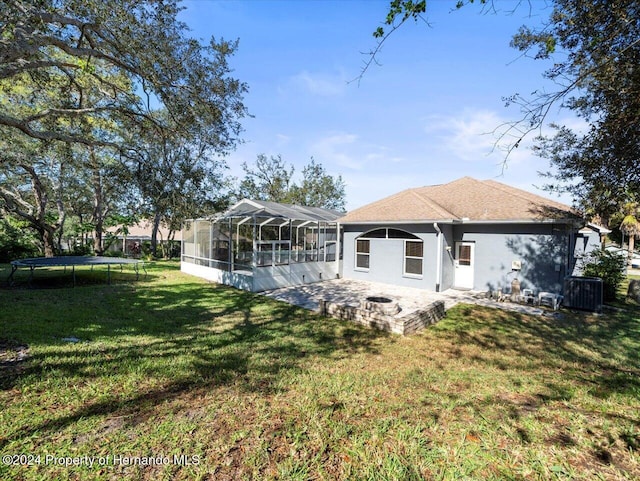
16, 240
609, 266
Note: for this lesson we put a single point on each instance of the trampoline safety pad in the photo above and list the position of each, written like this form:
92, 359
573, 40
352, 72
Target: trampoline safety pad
73, 261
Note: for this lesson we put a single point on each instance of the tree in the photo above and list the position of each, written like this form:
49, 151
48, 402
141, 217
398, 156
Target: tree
141, 41
31, 180
67, 164
630, 225
85, 78
178, 176
595, 45
599, 80
269, 179
272, 179
320, 189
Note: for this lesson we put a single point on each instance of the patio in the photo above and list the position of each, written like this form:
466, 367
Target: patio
351, 293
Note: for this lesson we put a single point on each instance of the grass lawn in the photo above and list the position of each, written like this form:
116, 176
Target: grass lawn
244, 387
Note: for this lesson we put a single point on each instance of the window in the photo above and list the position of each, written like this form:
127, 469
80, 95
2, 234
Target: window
464, 255
362, 253
413, 256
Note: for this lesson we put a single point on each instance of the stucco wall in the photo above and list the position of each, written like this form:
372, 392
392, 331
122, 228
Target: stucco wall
541, 248
447, 257
387, 256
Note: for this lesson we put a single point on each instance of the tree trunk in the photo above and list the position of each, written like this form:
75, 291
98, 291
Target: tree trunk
154, 234
39, 220
98, 214
632, 240
48, 242
62, 213
172, 235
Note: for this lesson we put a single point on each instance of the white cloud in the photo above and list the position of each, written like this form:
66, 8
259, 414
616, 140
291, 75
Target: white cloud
324, 85
282, 139
347, 151
337, 149
470, 136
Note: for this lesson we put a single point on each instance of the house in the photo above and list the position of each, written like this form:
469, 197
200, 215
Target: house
466, 234
257, 245
129, 240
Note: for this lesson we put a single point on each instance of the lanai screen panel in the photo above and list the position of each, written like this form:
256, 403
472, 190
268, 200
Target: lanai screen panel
242, 243
252, 235
188, 245
203, 242
220, 245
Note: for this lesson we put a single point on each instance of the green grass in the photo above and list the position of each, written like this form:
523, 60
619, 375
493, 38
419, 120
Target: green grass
258, 389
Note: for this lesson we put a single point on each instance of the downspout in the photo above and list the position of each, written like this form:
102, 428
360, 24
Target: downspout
338, 247
439, 256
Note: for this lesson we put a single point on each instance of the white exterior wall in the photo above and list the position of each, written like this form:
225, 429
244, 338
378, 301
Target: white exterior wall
266, 278
241, 281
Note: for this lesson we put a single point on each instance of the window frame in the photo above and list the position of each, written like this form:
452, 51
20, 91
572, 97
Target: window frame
362, 253
405, 257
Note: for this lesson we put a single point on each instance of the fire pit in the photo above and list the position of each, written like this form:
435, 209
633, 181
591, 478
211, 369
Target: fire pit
380, 304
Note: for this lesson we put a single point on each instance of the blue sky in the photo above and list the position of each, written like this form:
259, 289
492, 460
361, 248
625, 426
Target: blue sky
423, 117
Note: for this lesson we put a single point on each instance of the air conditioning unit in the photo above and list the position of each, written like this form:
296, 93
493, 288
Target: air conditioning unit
583, 293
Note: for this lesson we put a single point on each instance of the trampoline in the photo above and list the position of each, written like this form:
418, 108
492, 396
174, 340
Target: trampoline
73, 261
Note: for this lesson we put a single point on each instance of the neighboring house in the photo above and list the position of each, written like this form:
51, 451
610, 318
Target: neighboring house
130, 240
623, 252
258, 245
589, 238
467, 234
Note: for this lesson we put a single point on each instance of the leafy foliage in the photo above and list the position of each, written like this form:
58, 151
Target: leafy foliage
80, 84
271, 179
178, 176
16, 242
598, 71
268, 179
630, 224
319, 189
136, 51
609, 266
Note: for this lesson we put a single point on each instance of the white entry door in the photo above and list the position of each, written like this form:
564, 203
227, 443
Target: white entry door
464, 263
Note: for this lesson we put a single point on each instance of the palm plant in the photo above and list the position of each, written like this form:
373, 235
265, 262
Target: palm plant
631, 224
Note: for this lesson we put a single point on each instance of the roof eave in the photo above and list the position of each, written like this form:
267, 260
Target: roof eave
397, 222
460, 221
520, 221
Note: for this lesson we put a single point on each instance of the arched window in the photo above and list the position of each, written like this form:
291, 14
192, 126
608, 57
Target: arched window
388, 233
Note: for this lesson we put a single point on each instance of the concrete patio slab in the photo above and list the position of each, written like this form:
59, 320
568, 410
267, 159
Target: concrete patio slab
351, 292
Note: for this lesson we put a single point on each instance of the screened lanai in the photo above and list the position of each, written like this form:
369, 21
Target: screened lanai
258, 245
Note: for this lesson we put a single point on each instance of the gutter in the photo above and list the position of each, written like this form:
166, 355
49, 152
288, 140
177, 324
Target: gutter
459, 221
399, 222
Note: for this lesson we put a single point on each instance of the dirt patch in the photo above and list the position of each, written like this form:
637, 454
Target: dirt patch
13, 357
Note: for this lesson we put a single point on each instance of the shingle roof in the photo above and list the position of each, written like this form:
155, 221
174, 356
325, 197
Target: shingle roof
462, 199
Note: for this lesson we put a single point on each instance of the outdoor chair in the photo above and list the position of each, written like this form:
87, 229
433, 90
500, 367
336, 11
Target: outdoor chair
550, 299
527, 296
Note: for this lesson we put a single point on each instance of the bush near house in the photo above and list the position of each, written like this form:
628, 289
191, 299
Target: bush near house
609, 266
